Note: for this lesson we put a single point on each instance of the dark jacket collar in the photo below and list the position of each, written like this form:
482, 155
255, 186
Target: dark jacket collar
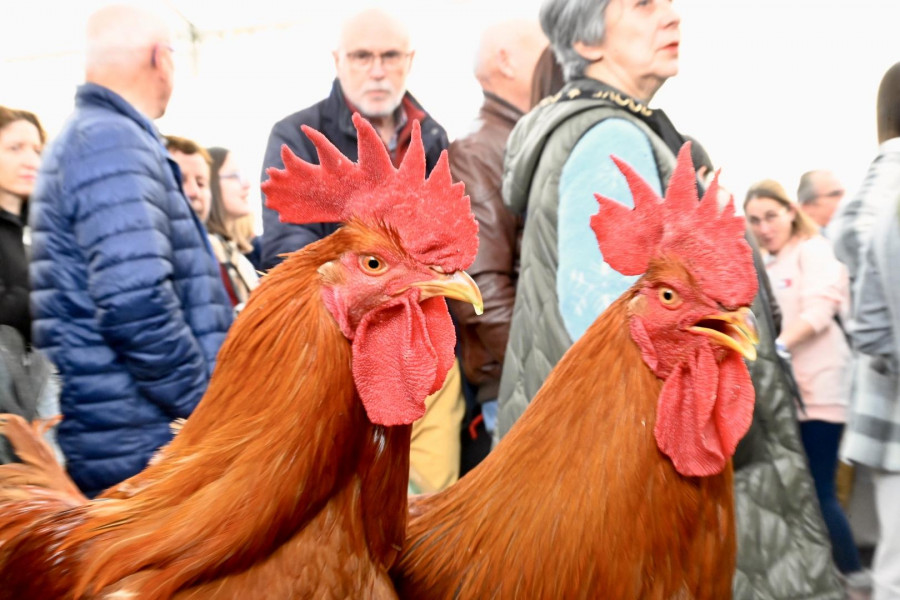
656, 119
8, 217
94, 95
496, 106
339, 110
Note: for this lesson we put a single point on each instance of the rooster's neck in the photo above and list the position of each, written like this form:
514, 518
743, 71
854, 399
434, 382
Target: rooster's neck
279, 451
576, 497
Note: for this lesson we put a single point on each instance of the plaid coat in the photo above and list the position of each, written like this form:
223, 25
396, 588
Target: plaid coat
872, 436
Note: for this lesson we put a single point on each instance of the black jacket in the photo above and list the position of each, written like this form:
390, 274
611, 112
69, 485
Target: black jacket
332, 117
13, 276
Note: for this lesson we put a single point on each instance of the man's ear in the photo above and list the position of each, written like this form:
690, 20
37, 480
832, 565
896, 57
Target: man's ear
153, 55
505, 64
336, 55
591, 53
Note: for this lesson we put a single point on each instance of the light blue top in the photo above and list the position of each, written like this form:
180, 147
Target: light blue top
585, 285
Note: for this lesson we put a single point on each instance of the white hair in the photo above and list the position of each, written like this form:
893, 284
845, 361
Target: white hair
568, 21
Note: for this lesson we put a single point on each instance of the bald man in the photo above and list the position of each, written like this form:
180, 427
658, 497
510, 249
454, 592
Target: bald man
818, 194
504, 67
372, 60
127, 298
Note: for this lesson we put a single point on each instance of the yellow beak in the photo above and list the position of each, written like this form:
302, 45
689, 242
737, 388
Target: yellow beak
458, 286
736, 330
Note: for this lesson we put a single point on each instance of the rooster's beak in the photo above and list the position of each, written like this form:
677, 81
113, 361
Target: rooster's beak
735, 330
458, 286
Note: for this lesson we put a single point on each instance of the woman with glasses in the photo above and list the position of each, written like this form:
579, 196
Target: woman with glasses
230, 190
812, 288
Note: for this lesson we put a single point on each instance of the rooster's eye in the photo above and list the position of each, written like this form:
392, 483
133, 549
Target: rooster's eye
669, 297
372, 264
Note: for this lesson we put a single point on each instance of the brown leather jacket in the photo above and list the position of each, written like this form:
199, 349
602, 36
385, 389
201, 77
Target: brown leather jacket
477, 160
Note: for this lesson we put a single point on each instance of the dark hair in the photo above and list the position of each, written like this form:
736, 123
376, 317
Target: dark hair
548, 77
11, 115
888, 104
216, 222
699, 156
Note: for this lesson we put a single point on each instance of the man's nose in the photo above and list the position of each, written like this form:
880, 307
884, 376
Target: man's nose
377, 69
190, 189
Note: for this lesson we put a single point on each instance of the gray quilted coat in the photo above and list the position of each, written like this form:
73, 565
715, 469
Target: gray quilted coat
783, 548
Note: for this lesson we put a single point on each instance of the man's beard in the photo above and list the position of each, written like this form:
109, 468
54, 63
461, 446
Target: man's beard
383, 110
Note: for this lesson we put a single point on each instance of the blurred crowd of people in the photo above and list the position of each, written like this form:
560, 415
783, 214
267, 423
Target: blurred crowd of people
125, 255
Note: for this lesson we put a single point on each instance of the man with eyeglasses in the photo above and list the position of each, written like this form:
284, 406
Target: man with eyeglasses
818, 194
372, 61
127, 299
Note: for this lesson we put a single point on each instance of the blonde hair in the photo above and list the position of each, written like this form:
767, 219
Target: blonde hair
801, 224
242, 233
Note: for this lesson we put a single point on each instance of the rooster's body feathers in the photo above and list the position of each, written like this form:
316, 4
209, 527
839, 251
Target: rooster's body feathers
576, 503
289, 479
617, 481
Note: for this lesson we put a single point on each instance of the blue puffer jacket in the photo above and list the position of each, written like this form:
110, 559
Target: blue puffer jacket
126, 297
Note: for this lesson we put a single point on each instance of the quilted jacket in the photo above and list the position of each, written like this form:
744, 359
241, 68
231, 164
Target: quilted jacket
783, 548
127, 299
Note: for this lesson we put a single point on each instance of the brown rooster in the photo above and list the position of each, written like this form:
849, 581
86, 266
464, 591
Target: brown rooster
289, 479
616, 483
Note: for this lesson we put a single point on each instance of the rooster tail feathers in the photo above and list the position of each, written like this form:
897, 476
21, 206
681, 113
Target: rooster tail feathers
39, 474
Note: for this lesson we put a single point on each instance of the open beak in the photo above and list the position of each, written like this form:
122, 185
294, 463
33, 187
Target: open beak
458, 286
735, 330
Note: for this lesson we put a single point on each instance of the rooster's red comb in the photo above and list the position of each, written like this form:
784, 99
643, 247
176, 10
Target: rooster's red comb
710, 243
431, 216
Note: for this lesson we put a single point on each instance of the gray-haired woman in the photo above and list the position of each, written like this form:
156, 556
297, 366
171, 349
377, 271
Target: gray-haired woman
616, 55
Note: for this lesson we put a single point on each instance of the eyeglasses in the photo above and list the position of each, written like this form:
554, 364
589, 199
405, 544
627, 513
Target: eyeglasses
770, 217
363, 59
239, 177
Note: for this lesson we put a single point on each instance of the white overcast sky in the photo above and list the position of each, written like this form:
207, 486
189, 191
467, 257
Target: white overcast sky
772, 88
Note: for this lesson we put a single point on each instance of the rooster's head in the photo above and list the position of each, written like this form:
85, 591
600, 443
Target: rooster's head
403, 247
689, 314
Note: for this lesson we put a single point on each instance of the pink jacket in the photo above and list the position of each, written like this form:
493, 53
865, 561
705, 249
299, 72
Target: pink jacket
811, 284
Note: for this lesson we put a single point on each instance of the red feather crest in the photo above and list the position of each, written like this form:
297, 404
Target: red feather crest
432, 217
710, 243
